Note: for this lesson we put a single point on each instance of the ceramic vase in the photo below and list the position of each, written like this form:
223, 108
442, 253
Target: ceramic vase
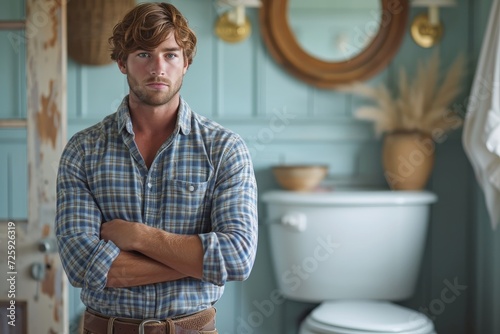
408, 159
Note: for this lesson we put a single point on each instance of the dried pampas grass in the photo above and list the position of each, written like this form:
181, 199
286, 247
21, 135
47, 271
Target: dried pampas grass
423, 103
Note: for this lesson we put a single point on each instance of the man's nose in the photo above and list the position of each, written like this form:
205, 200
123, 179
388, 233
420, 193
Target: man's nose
157, 66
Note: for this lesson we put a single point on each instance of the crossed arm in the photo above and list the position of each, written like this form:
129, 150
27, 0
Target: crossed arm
121, 253
150, 255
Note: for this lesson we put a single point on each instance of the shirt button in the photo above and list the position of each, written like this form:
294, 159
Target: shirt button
150, 185
191, 188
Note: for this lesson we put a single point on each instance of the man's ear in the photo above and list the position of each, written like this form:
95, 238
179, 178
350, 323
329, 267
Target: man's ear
122, 66
186, 66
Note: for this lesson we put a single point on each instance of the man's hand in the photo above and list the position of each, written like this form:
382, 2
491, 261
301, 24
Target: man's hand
124, 234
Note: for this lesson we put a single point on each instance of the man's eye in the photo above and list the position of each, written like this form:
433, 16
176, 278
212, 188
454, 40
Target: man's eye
143, 55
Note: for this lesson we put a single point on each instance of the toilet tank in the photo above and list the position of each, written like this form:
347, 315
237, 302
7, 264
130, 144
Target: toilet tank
347, 244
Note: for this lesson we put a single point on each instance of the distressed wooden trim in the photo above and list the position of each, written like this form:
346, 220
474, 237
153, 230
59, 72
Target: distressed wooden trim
11, 25
13, 123
46, 136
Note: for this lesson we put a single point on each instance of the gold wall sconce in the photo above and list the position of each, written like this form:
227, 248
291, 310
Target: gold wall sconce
233, 25
426, 28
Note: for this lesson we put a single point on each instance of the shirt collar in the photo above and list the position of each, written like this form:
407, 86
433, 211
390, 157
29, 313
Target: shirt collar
183, 117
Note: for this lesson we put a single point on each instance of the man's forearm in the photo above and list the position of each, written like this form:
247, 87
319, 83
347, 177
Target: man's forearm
184, 253
133, 269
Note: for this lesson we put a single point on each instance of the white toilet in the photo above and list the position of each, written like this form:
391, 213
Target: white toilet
354, 251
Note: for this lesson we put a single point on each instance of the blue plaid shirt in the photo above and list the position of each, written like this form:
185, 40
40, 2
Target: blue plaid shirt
200, 182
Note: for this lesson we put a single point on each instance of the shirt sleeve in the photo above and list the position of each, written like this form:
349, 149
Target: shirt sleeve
230, 249
85, 258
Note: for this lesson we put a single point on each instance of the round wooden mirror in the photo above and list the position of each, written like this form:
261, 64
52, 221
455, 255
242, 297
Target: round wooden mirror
282, 43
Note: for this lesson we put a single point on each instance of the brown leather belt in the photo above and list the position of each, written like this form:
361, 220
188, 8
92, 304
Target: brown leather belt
200, 322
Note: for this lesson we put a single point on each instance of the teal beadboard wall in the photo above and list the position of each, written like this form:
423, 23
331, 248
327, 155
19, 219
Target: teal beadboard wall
285, 120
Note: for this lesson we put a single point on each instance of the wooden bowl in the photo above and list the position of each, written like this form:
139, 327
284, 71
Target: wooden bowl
299, 177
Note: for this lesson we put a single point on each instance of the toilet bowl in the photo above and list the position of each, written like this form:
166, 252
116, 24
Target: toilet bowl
365, 316
354, 251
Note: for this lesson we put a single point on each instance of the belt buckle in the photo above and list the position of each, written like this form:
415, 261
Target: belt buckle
147, 321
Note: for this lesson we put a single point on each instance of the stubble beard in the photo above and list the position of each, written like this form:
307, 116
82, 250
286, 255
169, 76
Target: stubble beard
154, 98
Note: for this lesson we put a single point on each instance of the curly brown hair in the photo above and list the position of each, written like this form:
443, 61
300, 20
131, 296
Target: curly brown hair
146, 26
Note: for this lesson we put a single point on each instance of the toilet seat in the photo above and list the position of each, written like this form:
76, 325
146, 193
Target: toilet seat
365, 316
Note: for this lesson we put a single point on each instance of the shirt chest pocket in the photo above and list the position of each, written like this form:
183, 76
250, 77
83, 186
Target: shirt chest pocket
184, 204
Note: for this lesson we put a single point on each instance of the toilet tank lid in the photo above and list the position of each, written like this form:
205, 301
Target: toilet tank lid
370, 316
352, 197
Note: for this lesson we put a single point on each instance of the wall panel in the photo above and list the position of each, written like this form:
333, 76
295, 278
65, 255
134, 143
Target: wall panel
13, 83
13, 175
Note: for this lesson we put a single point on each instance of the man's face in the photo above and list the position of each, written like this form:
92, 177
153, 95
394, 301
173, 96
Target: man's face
155, 77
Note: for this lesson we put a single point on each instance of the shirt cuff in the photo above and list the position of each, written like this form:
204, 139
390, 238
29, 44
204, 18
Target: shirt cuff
96, 275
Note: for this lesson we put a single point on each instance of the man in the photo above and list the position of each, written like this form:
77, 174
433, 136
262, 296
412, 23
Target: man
156, 205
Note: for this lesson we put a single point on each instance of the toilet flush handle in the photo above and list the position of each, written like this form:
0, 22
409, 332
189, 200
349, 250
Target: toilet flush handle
295, 220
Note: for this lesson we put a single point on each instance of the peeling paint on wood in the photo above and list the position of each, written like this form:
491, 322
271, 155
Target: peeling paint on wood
54, 10
45, 231
57, 311
49, 117
48, 284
